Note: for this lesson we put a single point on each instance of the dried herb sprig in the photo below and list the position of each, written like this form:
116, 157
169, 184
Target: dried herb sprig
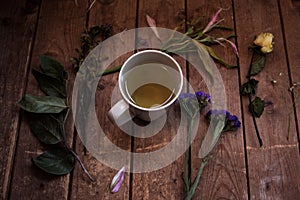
202, 36
89, 40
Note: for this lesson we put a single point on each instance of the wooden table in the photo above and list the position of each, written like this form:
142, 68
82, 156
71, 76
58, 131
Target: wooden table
239, 169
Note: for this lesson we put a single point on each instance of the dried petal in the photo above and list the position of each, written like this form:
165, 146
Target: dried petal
152, 23
210, 25
117, 180
265, 41
231, 43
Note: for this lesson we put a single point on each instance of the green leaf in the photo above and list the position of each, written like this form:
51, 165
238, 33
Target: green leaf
217, 58
58, 161
190, 105
49, 85
257, 107
42, 104
47, 128
52, 67
257, 65
212, 136
110, 70
204, 55
249, 88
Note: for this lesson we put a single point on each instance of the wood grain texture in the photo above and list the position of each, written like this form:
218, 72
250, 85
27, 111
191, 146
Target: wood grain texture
290, 12
59, 28
239, 168
224, 177
273, 174
165, 183
17, 26
121, 15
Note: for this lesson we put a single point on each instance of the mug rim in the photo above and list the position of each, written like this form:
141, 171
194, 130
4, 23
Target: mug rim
154, 108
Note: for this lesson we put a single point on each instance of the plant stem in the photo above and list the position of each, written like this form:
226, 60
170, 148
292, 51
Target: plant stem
252, 113
71, 150
186, 173
192, 190
110, 70
255, 125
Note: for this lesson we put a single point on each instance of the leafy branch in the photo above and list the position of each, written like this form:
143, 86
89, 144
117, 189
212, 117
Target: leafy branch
221, 121
48, 116
203, 37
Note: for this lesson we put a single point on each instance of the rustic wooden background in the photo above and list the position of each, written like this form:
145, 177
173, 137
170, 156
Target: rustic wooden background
240, 168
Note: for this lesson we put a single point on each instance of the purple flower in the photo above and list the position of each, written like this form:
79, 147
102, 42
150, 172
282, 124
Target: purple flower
117, 180
193, 103
232, 122
203, 99
201, 96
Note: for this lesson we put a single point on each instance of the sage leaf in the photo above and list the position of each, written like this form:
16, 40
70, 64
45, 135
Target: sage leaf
52, 67
58, 161
212, 136
257, 65
249, 88
49, 85
42, 104
257, 106
47, 128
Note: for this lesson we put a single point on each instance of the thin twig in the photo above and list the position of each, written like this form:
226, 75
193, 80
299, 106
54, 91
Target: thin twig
71, 150
92, 4
255, 124
82, 165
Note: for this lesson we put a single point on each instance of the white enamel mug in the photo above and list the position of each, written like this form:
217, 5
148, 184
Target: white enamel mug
144, 67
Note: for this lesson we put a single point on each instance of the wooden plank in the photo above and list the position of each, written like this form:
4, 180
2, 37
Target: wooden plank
273, 168
120, 15
290, 12
165, 183
59, 29
224, 177
18, 22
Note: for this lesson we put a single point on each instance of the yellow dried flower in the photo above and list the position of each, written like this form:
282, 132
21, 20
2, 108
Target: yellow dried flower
265, 41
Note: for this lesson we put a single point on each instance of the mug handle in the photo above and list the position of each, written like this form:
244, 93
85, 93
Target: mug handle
119, 113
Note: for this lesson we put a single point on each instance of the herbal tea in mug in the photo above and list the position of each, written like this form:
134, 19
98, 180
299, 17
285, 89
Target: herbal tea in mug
149, 81
150, 85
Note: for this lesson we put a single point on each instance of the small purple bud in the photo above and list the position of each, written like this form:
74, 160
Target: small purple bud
232, 118
237, 123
